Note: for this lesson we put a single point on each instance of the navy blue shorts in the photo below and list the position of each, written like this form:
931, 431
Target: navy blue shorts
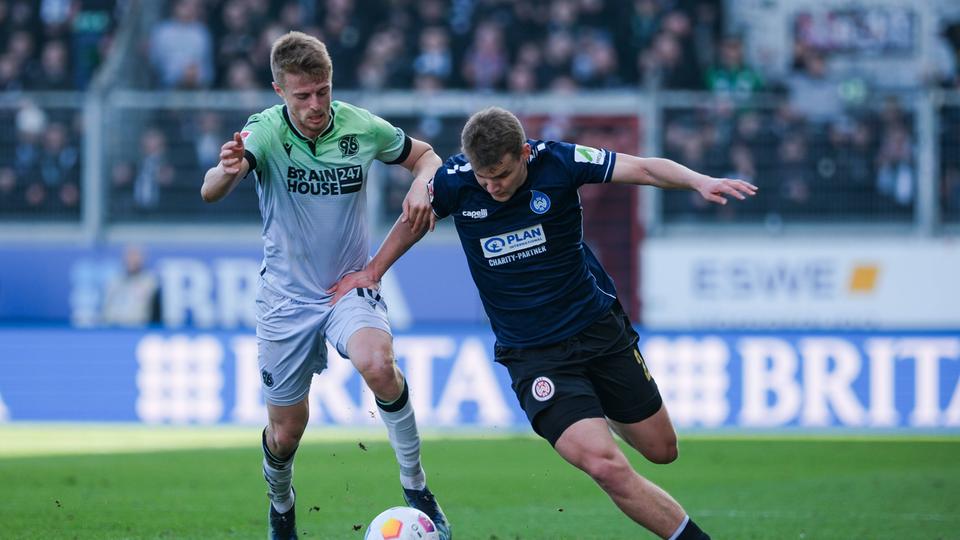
594, 374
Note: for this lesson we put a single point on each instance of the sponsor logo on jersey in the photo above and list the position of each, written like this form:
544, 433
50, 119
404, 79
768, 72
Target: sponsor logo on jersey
542, 389
348, 145
539, 202
475, 214
288, 147
466, 167
586, 154
339, 181
244, 135
501, 244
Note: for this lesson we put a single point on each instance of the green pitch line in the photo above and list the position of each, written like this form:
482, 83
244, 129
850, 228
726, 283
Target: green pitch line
504, 488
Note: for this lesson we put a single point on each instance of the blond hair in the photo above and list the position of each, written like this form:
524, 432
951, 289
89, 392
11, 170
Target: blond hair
296, 52
490, 134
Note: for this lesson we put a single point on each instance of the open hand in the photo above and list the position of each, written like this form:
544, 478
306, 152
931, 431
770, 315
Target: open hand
716, 190
363, 279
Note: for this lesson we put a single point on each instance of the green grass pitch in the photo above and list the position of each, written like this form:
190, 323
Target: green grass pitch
795, 487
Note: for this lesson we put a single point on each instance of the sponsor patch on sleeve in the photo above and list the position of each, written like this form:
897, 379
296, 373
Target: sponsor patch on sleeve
586, 154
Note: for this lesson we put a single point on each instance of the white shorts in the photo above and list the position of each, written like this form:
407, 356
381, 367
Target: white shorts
292, 335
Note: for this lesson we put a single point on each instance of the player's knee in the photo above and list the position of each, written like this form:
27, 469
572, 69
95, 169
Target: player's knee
286, 439
663, 453
380, 374
607, 469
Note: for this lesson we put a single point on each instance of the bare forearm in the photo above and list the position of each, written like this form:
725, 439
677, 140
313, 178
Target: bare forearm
658, 172
426, 166
398, 241
218, 183
667, 174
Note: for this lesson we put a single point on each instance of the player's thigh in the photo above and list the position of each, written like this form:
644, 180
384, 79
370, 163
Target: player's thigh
362, 313
632, 403
587, 444
287, 366
654, 437
553, 391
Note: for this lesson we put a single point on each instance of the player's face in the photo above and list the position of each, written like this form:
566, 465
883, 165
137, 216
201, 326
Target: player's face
504, 178
308, 101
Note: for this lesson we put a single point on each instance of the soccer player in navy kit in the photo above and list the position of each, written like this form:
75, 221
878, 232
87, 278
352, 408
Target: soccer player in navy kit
561, 333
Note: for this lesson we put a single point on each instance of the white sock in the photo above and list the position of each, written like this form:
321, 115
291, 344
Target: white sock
405, 438
279, 476
280, 489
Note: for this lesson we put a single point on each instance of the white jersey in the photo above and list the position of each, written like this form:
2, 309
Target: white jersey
313, 195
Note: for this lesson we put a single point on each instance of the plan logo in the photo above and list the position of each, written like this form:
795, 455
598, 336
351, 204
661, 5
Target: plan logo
502, 244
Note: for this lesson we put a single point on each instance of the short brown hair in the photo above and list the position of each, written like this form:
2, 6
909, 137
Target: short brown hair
490, 134
296, 52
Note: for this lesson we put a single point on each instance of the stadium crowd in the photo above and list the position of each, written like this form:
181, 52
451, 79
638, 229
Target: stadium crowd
47, 45
827, 147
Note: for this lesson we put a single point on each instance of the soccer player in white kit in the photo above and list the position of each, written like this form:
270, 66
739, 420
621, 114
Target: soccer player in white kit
311, 157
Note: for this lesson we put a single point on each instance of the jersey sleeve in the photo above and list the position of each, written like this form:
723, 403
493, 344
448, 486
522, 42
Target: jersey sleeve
256, 141
586, 164
393, 145
439, 191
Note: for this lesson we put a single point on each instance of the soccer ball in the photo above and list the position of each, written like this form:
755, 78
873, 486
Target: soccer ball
401, 523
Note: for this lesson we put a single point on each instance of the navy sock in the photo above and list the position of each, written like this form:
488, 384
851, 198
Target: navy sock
692, 532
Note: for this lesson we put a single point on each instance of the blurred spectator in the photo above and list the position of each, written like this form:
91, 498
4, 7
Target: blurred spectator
435, 58
644, 23
665, 66
31, 122
21, 46
795, 174
813, 93
60, 165
595, 62
53, 72
236, 39
485, 63
181, 48
731, 76
208, 138
240, 76
895, 176
383, 64
92, 25
10, 195
155, 170
131, 297
10, 76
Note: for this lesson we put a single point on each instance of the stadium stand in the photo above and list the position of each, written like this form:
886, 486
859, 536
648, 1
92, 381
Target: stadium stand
825, 143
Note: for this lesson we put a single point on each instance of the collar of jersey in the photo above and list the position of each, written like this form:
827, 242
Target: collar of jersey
301, 136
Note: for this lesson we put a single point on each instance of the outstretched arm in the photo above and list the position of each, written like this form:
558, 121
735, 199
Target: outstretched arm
220, 180
423, 162
667, 174
398, 241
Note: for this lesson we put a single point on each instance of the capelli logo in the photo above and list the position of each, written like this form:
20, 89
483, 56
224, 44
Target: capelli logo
475, 214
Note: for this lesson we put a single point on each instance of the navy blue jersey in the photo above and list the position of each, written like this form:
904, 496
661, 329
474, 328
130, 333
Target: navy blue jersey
538, 281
